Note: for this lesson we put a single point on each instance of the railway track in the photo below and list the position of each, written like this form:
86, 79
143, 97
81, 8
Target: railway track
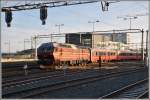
20, 72
37, 77
30, 75
19, 68
33, 91
135, 90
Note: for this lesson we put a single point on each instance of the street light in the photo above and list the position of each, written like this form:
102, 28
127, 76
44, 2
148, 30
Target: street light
59, 25
130, 19
93, 24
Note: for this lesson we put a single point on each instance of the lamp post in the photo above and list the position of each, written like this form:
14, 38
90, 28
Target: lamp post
93, 25
59, 25
130, 20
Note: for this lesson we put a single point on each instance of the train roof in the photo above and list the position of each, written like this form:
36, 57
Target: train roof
55, 44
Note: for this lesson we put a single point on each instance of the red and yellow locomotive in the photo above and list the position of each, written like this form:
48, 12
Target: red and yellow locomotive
54, 53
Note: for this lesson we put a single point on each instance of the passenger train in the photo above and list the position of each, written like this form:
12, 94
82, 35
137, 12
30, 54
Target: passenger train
53, 53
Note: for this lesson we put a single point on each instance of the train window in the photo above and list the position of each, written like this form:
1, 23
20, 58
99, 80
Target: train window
108, 53
121, 54
128, 54
96, 53
111, 53
125, 54
100, 53
114, 53
104, 53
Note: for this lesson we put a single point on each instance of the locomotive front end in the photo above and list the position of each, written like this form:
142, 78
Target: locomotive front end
45, 53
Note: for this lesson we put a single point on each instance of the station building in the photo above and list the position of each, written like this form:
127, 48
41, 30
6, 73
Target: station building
90, 39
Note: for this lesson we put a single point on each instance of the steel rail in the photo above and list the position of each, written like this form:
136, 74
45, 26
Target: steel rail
145, 94
122, 90
34, 75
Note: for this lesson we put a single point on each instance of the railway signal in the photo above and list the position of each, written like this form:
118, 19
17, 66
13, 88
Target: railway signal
105, 4
43, 14
8, 17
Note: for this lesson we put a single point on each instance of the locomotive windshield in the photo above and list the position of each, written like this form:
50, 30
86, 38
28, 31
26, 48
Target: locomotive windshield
46, 47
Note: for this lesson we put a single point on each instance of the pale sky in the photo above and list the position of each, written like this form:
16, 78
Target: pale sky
75, 19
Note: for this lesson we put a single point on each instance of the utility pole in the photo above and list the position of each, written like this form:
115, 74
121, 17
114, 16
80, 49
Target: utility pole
26, 41
93, 26
35, 41
146, 48
9, 47
8, 51
31, 42
51, 37
142, 51
59, 25
149, 43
